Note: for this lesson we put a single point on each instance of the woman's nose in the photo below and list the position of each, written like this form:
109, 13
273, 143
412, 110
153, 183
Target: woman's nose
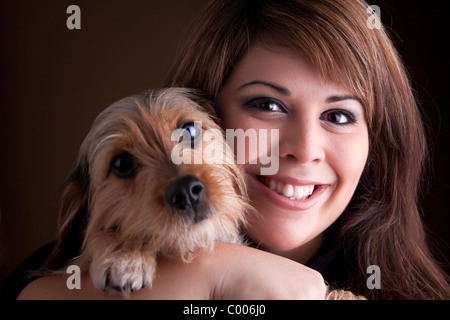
303, 141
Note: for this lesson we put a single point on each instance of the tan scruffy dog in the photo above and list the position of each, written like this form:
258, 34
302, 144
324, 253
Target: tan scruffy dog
135, 203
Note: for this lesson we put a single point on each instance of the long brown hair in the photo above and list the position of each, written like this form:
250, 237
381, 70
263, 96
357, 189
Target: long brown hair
382, 224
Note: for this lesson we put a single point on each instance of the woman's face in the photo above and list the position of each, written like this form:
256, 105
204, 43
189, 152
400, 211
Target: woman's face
323, 146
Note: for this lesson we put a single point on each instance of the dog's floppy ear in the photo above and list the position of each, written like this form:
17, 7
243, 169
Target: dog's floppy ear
73, 215
75, 194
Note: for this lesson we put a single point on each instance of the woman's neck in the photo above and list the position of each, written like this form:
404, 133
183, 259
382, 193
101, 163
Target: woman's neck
305, 252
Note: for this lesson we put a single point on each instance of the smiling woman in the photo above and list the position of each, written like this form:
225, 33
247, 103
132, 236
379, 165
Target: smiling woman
323, 147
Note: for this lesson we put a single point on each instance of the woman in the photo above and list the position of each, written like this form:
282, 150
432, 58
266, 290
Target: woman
381, 225
351, 150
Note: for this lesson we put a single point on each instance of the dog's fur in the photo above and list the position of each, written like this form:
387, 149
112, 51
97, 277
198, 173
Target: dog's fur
126, 216
115, 211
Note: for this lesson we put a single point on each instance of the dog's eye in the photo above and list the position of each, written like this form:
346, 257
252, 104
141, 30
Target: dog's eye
192, 130
124, 165
190, 127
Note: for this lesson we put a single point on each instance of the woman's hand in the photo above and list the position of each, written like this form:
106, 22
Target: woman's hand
231, 272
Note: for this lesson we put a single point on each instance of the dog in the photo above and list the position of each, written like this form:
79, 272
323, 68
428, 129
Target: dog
133, 203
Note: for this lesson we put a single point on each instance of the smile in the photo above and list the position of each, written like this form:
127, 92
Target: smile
290, 191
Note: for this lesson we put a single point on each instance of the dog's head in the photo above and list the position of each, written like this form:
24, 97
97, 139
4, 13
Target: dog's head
128, 180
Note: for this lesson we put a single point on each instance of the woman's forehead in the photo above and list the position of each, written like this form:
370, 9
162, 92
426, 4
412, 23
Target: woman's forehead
282, 69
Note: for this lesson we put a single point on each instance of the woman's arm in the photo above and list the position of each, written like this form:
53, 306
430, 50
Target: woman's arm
231, 272
254, 274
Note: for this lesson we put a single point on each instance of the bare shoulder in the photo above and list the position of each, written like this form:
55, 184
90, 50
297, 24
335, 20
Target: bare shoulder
42, 288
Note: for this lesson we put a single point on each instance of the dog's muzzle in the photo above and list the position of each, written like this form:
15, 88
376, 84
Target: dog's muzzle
186, 196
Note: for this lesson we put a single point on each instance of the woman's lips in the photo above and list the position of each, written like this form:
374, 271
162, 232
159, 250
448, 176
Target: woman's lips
289, 193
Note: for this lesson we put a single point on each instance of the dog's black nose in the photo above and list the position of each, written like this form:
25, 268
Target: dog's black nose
185, 193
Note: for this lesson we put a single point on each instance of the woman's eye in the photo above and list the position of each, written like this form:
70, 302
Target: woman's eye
267, 104
339, 117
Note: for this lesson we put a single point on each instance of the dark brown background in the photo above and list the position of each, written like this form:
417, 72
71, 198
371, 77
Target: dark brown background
54, 81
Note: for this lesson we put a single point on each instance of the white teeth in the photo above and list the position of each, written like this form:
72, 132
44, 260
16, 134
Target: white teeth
290, 191
299, 192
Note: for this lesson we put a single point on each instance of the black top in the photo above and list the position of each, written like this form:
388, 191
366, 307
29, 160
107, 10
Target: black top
22, 276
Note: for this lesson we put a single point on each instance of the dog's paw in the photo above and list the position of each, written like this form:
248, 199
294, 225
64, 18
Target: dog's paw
125, 272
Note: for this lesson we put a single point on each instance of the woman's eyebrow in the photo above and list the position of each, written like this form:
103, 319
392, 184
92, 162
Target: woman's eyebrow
342, 98
286, 92
281, 90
